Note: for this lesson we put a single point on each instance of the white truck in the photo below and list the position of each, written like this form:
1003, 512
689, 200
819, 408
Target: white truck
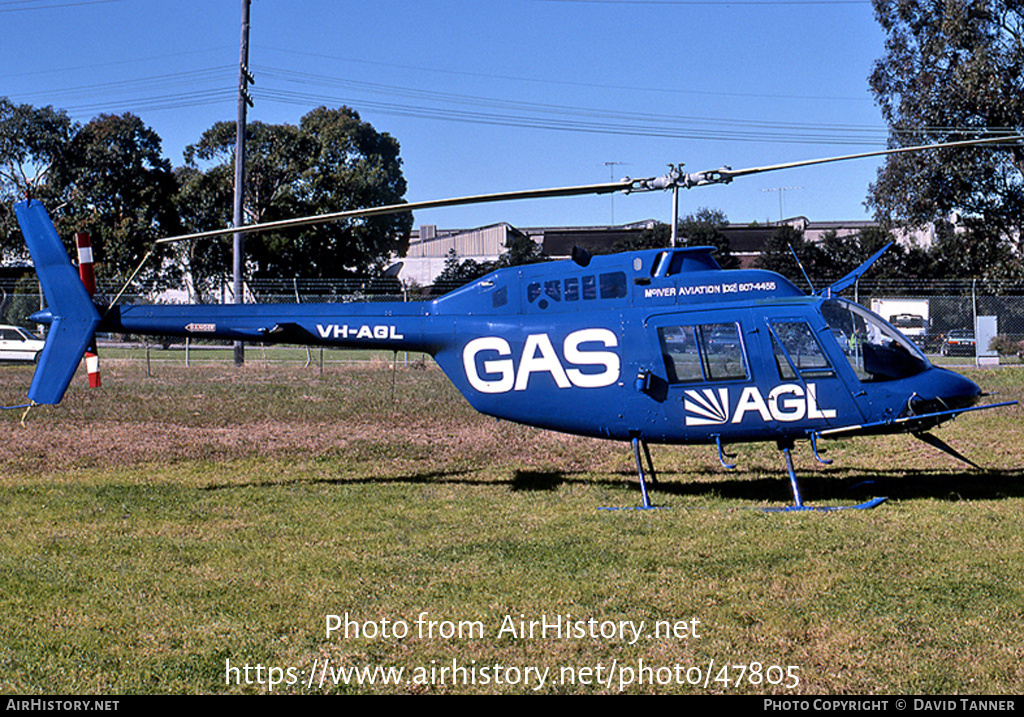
910, 316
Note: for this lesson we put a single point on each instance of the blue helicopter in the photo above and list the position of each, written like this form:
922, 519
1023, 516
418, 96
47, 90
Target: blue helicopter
659, 346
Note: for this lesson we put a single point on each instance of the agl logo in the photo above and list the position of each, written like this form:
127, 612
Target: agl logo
786, 403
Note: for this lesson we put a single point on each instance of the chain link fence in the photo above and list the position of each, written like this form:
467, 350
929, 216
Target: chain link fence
965, 319
955, 321
21, 298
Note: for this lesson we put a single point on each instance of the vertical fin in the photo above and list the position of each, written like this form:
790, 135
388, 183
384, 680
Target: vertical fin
72, 316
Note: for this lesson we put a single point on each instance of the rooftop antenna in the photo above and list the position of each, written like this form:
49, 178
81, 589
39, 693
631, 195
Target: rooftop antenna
611, 174
781, 191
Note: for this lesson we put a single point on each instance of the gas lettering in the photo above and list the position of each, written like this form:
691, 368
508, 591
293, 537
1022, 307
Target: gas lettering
786, 403
498, 372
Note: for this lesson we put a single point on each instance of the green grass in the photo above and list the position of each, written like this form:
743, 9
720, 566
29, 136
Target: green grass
159, 530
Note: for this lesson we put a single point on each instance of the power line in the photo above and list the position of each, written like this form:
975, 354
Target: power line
27, 7
305, 78
716, 3
77, 68
211, 86
570, 83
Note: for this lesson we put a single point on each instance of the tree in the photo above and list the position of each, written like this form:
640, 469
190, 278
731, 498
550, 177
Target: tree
900, 262
519, 250
118, 186
458, 272
704, 228
836, 255
108, 178
973, 251
952, 70
839, 254
202, 201
31, 141
778, 252
658, 236
331, 162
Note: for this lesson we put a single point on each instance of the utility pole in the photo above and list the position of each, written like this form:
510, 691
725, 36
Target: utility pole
244, 101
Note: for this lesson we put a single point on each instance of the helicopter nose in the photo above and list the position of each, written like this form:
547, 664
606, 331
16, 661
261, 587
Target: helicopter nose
956, 391
942, 390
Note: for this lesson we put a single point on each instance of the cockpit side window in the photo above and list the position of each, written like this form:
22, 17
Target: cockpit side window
723, 352
875, 350
572, 289
613, 285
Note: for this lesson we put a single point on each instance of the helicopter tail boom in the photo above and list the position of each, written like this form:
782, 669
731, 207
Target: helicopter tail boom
74, 319
390, 326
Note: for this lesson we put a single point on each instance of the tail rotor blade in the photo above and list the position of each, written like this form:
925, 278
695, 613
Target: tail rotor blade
92, 366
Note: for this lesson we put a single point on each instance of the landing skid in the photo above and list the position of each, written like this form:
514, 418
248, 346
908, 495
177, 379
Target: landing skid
638, 446
873, 503
641, 451
798, 501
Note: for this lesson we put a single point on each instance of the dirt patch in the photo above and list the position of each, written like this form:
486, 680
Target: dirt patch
38, 448
220, 413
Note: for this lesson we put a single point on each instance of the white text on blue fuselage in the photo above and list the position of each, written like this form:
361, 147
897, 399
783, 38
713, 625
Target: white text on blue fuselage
382, 332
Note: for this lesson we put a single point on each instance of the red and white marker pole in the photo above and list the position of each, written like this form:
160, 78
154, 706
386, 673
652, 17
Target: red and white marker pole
86, 272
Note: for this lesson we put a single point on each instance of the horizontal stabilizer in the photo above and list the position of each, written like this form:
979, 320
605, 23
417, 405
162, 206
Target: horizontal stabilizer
72, 316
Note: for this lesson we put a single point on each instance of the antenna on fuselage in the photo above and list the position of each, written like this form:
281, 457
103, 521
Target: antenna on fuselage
800, 264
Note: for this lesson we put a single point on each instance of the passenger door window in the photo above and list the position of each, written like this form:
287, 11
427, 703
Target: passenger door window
703, 352
795, 346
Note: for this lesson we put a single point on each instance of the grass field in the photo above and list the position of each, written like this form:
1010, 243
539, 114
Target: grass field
198, 530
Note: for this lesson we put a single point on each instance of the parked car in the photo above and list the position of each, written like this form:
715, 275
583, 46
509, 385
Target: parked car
958, 342
724, 338
18, 344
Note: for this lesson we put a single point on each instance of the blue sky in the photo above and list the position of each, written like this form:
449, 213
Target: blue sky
497, 95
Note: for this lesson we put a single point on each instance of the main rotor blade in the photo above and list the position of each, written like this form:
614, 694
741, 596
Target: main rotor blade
726, 174
676, 178
605, 188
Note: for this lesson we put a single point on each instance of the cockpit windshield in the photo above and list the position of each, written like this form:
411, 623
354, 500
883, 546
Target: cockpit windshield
875, 350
